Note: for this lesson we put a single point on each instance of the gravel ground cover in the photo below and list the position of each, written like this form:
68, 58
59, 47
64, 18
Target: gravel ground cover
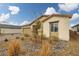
57, 48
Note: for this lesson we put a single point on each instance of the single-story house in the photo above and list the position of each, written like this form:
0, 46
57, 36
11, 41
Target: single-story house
76, 28
55, 25
9, 29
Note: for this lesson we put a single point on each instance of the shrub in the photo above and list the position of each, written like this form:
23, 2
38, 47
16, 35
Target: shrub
14, 48
6, 40
12, 34
22, 38
17, 37
26, 35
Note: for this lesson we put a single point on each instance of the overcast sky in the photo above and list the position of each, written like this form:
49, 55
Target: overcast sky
24, 13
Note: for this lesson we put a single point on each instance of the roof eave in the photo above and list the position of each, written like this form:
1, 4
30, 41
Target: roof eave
63, 15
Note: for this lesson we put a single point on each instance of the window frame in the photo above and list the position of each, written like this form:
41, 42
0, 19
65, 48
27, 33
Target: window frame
51, 25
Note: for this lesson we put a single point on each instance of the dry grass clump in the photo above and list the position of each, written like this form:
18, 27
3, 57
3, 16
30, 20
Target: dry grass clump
45, 49
14, 48
26, 35
36, 39
17, 37
22, 38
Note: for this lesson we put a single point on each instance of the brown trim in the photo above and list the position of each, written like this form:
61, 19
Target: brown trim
53, 22
36, 19
60, 15
48, 17
39, 18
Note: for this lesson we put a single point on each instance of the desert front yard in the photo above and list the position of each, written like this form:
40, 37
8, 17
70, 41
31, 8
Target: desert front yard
29, 46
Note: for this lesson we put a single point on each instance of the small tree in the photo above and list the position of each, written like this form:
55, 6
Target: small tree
36, 28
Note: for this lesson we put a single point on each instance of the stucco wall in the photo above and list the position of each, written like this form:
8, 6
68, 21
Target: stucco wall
41, 19
74, 28
63, 26
27, 31
9, 31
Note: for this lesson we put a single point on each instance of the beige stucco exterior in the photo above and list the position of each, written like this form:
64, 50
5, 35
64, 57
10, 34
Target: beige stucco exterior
41, 19
10, 31
26, 30
74, 28
63, 27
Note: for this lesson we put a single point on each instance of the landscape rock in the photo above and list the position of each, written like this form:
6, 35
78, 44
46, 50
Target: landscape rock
60, 45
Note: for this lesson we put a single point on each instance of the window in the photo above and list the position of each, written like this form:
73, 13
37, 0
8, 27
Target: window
54, 26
